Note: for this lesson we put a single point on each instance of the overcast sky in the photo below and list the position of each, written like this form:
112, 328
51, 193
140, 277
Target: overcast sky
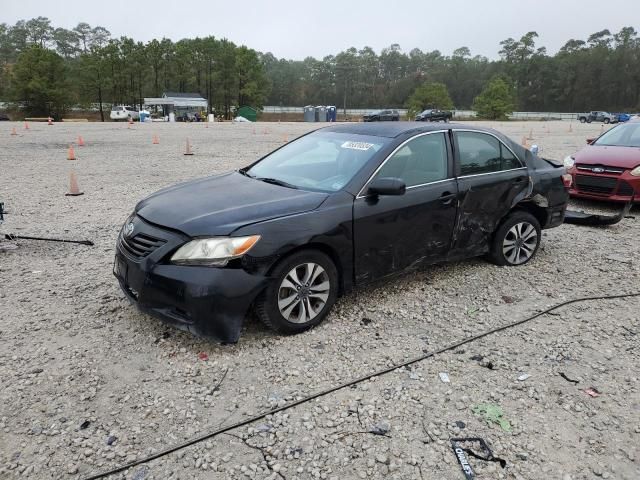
297, 28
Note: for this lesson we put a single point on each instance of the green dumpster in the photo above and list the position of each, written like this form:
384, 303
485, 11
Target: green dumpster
249, 113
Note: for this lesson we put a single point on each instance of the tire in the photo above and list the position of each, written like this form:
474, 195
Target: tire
589, 120
606, 120
516, 240
583, 120
279, 306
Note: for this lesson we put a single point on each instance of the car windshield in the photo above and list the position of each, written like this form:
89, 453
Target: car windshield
321, 161
627, 135
426, 111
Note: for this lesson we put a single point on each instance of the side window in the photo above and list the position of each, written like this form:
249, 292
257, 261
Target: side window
509, 160
421, 160
482, 153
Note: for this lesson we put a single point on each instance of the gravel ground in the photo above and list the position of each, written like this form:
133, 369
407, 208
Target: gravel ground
87, 382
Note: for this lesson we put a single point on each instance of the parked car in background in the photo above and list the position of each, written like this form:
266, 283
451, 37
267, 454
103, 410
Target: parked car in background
608, 168
4, 117
597, 116
623, 117
382, 116
434, 115
124, 112
340, 207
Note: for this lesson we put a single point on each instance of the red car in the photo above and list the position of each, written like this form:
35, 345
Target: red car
608, 168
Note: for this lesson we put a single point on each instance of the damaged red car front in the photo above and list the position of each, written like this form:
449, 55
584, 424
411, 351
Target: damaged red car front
608, 168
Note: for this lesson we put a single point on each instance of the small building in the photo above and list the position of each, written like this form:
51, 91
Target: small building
247, 112
184, 106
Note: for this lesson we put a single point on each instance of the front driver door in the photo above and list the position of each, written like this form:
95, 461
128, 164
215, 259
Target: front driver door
392, 233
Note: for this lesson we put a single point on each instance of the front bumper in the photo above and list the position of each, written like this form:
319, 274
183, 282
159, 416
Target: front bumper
609, 187
209, 302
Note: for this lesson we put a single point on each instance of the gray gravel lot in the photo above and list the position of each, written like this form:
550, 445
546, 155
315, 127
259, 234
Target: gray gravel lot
87, 382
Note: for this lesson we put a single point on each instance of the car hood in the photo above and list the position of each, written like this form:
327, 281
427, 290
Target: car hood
623, 157
221, 204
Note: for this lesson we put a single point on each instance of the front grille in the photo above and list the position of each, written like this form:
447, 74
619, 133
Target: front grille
597, 185
140, 246
605, 169
625, 189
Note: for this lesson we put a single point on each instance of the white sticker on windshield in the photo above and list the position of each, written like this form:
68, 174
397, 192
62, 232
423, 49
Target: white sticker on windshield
357, 145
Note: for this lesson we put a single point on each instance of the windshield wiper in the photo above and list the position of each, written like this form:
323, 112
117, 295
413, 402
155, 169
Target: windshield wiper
275, 181
244, 172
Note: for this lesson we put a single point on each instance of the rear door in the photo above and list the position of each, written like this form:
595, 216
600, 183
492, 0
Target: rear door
490, 176
392, 233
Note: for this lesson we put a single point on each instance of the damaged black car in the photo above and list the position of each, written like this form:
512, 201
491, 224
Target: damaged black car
335, 209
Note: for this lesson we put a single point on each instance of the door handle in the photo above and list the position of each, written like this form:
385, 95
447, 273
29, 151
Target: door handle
519, 179
447, 197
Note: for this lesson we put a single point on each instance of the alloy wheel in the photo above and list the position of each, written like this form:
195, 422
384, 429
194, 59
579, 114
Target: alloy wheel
303, 293
520, 243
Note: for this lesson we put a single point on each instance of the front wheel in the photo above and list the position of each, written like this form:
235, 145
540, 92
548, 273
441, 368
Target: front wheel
606, 120
516, 240
303, 290
583, 120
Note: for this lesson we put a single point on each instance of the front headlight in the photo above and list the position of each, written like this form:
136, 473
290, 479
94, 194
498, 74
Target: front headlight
215, 252
636, 171
569, 161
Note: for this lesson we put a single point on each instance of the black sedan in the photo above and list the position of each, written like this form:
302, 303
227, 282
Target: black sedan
382, 116
337, 208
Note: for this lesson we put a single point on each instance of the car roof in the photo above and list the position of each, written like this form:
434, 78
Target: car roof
392, 129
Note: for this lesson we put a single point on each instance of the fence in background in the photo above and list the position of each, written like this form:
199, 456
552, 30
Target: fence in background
459, 114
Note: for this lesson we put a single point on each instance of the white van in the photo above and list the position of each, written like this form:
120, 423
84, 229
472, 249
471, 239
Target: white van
123, 112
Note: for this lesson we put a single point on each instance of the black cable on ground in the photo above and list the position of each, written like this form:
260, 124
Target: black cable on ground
350, 383
10, 236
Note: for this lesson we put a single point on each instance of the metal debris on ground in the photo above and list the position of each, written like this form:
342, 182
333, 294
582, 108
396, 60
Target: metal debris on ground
444, 377
592, 392
582, 218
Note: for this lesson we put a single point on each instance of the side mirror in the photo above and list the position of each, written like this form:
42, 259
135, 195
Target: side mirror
590, 140
387, 186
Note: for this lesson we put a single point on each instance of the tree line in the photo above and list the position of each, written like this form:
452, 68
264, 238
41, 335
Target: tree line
46, 70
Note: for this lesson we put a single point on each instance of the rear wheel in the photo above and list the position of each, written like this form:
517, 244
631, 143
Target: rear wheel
582, 119
606, 120
304, 288
516, 240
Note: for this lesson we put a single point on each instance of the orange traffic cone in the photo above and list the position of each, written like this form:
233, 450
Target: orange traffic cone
49, 121
71, 154
13, 131
74, 191
188, 150
80, 141
525, 144
530, 137
264, 131
26, 125
155, 140
285, 138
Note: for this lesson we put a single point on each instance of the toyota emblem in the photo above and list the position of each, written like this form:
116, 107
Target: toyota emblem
128, 229
597, 169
